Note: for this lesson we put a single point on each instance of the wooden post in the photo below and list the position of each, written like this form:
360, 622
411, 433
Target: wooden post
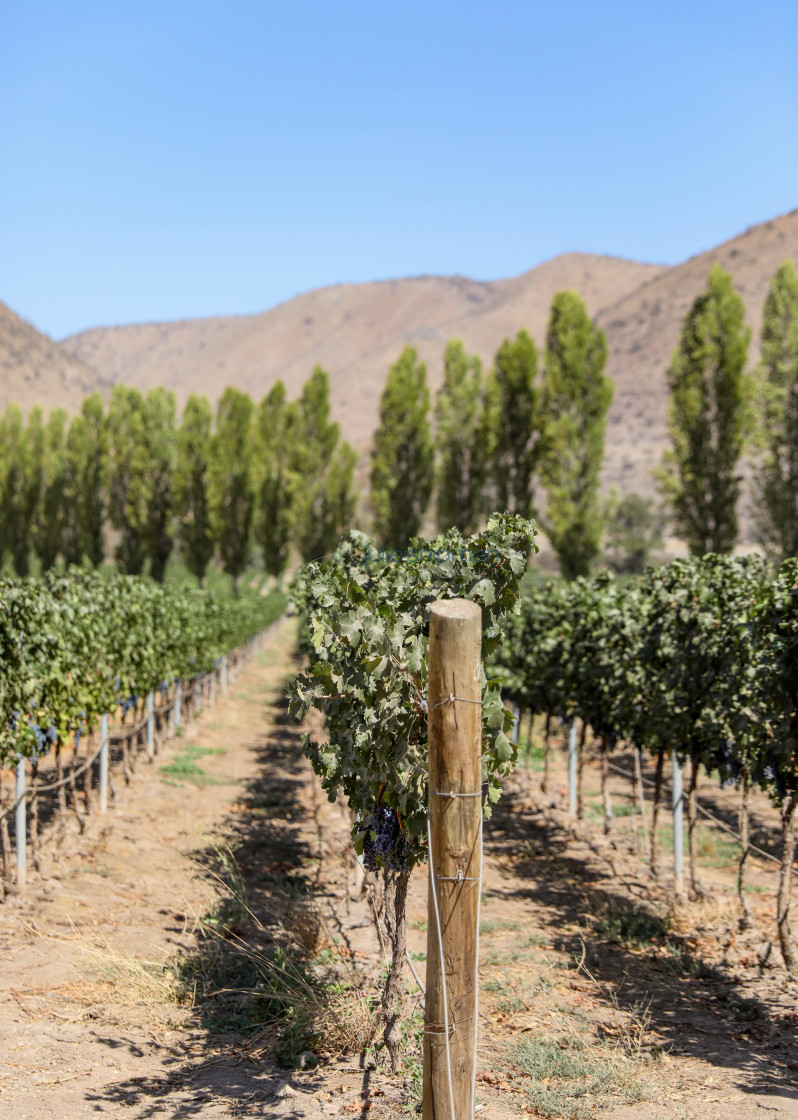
572, 768
178, 704
104, 763
455, 824
678, 828
21, 829
223, 675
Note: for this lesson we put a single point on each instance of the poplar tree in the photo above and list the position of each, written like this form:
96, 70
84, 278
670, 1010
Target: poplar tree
192, 507
158, 454
277, 432
230, 485
21, 452
86, 451
512, 426
125, 468
52, 514
402, 459
709, 391
461, 458
322, 473
776, 473
575, 400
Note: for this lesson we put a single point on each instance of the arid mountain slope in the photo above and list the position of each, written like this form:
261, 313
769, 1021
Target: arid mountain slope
643, 328
36, 370
354, 330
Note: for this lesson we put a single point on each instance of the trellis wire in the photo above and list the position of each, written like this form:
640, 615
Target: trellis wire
19, 805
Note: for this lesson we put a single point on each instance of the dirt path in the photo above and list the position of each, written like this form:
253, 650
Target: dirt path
113, 1001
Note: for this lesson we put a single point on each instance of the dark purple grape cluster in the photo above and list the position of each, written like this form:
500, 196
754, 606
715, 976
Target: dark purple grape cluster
384, 843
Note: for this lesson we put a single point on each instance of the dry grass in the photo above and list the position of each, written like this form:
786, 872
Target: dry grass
115, 984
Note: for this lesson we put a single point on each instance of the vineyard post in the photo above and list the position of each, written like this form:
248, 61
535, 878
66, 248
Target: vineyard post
455, 834
178, 704
150, 725
224, 674
104, 763
572, 768
678, 828
516, 723
21, 828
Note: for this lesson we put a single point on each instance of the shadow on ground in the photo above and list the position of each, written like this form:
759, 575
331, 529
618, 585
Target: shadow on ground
269, 866
614, 919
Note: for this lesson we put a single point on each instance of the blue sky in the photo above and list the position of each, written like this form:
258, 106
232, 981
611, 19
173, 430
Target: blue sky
181, 158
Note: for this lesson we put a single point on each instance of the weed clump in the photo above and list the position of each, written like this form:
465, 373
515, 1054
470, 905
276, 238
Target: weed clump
567, 1080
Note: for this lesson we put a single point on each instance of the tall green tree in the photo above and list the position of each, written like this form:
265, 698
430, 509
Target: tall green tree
403, 455
277, 433
709, 395
512, 414
159, 454
85, 500
322, 473
21, 453
776, 473
461, 458
575, 401
52, 512
192, 506
230, 488
125, 481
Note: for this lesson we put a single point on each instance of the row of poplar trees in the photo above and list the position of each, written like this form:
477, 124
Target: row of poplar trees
498, 436
276, 475
719, 411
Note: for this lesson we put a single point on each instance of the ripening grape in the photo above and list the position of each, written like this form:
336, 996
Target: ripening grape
385, 844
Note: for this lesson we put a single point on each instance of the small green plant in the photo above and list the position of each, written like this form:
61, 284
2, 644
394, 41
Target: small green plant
568, 1081
630, 928
184, 768
495, 924
510, 1004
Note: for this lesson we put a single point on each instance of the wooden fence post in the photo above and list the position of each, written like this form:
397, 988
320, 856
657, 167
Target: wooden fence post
678, 828
572, 768
104, 763
21, 828
455, 833
178, 704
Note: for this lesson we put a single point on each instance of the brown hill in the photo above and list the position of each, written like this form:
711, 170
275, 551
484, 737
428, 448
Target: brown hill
354, 330
36, 370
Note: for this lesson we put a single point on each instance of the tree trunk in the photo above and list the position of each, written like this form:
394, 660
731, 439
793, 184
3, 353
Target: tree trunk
635, 837
747, 918
544, 785
692, 821
655, 814
87, 777
392, 1001
33, 816
785, 881
580, 762
5, 840
59, 774
605, 789
642, 798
